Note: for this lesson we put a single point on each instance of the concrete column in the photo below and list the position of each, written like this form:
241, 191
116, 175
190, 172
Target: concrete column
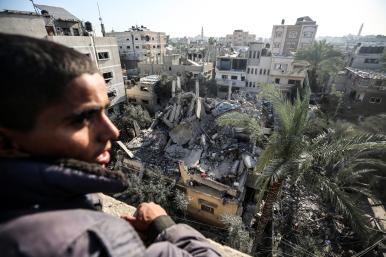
173, 88
197, 88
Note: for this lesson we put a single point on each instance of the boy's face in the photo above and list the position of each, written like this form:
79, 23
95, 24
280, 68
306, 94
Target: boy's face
76, 127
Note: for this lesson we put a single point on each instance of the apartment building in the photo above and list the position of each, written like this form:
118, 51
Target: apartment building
139, 44
240, 38
288, 38
143, 93
365, 56
60, 26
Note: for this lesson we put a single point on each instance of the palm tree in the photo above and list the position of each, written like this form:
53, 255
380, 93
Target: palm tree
324, 61
330, 164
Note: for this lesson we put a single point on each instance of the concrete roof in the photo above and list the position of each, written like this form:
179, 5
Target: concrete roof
367, 74
57, 12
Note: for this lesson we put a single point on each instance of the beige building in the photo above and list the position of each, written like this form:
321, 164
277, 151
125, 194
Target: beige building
140, 44
288, 38
58, 25
368, 57
240, 38
143, 93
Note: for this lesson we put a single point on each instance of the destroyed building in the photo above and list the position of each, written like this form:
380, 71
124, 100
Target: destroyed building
211, 163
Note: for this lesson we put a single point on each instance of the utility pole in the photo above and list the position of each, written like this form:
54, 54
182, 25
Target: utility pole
100, 19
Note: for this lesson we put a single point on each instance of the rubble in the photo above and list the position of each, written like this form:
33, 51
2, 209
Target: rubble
186, 131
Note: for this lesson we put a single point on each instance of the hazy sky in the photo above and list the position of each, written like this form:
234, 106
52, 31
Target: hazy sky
220, 17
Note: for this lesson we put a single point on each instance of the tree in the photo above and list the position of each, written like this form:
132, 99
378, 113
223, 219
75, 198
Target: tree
238, 236
327, 164
324, 61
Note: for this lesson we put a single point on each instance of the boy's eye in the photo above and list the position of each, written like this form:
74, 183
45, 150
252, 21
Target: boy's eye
83, 117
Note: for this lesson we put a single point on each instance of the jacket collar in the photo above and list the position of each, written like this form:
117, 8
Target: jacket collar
28, 182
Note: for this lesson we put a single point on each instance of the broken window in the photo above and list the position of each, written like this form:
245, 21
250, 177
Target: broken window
375, 100
277, 81
103, 55
111, 94
368, 60
207, 208
239, 64
224, 76
234, 77
145, 101
280, 66
76, 32
108, 76
224, 64
66, 31
144, 88
132, 100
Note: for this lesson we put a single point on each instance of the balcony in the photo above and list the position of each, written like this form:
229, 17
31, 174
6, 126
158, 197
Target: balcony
230, 82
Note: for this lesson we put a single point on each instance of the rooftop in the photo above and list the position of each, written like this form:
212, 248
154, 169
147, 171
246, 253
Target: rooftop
57, 12
368, 74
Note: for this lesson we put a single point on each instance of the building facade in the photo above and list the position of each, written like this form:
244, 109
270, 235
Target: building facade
143, 93
368, 57
240, 38
139, 44
288, 38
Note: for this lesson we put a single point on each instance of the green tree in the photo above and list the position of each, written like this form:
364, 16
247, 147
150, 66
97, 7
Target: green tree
324, 61
238, 236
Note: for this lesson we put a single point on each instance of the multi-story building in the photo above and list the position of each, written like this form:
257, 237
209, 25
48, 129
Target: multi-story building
367, 56
240, 38
53, 21
366, 90
143, 93
231, 73
140, 44
288, 38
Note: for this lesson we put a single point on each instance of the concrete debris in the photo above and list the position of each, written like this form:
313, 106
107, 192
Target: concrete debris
186, 130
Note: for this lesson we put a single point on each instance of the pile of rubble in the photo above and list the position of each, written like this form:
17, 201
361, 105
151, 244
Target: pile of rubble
186, 131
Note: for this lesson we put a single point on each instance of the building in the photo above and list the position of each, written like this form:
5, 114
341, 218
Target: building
365, 89
240, 38
258, 67
60, 26
231, 73
288, 38
143, 93
139, 44
365, 56
174, 65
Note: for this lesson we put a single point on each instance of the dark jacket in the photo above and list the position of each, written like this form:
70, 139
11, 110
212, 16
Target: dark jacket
48, 209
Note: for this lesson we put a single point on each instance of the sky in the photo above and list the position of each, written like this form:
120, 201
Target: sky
179, 18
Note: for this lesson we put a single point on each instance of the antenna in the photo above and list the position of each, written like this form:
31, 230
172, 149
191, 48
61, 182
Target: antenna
360, 30
35, 8
100, 19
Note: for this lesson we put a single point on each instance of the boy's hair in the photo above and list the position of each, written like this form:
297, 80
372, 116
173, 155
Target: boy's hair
35, 74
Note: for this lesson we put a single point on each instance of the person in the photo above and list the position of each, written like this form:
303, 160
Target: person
55, 139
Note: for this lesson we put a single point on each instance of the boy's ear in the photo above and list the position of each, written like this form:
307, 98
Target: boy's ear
8, 146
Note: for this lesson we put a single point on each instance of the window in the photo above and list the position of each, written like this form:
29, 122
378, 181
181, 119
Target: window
268, 72
145, 101
111, 94
207, 208
127, 39
292, 34
375, 100
278, 33
307, 34
152, 38
103, 56
248, 70
261, 71
265, 71
250, 84
153, 46
234, 77
170, 68
224, 76
120, 47
276, 45
76, 32
255, 70
144, 88
254, 54
108, 76
367, 60
137, 47
128, 47
277, 81
250, 54
132, 100
242, 78
280, 66
136, 38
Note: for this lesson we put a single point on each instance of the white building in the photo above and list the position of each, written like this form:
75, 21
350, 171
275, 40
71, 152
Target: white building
240, 38
368, 57
288, 38
140, 44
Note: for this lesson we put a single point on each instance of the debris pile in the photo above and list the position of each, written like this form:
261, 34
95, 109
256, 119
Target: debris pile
186, 131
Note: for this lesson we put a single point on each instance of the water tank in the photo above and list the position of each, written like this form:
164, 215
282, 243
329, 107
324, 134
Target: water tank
282, 22
88, 26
